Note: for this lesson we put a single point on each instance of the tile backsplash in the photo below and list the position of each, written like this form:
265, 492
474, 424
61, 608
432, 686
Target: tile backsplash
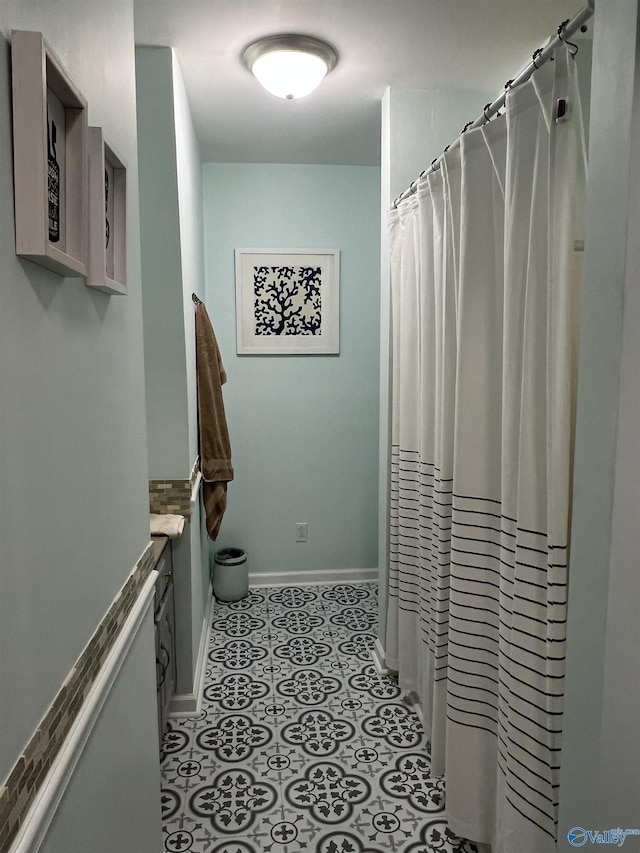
172, 496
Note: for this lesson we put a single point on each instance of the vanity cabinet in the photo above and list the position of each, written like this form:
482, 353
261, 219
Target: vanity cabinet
164, 619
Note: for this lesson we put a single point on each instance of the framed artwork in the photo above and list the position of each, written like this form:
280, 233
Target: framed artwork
50, 158
107, 216
287, 301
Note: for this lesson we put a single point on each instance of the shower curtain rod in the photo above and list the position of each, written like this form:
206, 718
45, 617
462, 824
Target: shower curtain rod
540, 56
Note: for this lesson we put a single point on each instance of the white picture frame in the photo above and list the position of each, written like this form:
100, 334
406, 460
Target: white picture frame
49, 158
287, 301
108, 217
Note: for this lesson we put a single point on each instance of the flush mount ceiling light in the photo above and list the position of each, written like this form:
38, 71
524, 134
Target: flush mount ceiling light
289, 65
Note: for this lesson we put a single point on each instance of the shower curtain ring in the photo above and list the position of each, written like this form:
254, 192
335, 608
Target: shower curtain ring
535, 55
484, 111
568, 43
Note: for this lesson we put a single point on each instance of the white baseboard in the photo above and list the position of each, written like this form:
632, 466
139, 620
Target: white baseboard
190, 704
330, 576
41, 812
379, 657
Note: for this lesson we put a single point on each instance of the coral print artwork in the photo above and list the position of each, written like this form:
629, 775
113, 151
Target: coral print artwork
287, 301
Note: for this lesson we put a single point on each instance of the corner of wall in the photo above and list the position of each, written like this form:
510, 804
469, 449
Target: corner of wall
385, 362
173, 268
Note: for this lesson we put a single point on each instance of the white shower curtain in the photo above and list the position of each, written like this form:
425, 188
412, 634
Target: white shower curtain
485, 299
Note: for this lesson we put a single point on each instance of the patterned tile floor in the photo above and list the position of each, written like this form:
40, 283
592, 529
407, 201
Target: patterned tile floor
301, 745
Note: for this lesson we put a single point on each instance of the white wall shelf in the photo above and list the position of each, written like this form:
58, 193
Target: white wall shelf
50, 158
108, 217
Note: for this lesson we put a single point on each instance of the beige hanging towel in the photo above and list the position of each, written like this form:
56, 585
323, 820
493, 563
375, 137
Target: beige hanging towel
215, 447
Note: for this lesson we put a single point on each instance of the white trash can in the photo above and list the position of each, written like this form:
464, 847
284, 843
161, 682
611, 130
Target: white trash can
230, 575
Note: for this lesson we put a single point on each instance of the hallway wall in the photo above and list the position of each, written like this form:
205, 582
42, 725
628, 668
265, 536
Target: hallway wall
172, 258
173, 268
163, 315
304, 429
73, 451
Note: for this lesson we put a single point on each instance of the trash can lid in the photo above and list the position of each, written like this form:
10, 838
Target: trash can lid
230, 557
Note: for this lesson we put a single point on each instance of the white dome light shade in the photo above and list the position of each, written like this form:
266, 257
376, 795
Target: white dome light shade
289, 73
289, 66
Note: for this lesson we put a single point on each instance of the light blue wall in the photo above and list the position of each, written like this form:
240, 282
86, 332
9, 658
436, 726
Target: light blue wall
104, 809
421, 123
172, 268
304, 429
73, 451
189, 174
164, 338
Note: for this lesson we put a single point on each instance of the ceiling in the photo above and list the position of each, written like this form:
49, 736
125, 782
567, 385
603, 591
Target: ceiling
422, 44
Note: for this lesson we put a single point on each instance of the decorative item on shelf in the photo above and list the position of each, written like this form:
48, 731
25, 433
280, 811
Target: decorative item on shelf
49, 157
53, 183
287, 301
107, 227
107, 217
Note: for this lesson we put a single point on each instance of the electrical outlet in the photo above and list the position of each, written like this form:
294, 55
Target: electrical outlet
302, 531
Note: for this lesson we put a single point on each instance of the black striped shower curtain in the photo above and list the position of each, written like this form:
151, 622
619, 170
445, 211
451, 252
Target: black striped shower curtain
485, 269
